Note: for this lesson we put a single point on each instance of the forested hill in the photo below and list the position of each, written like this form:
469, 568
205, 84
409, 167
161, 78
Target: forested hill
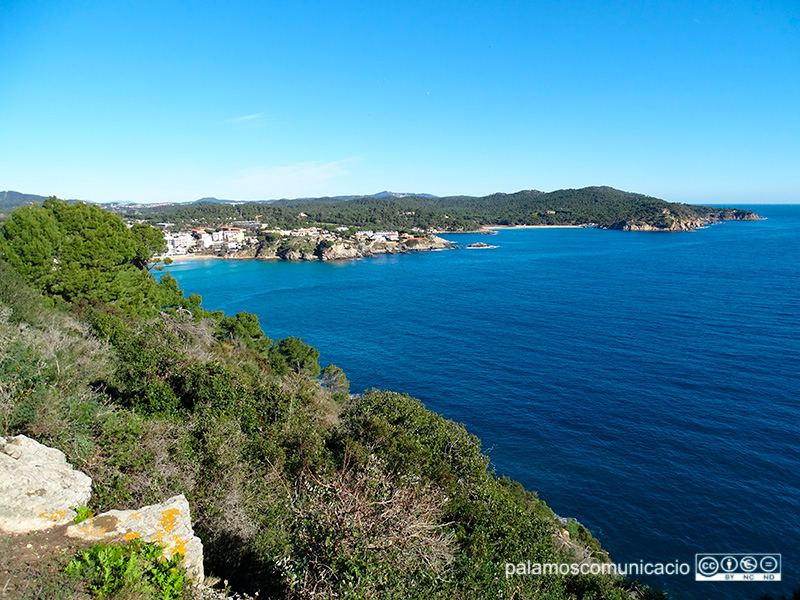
11, 200
603, 206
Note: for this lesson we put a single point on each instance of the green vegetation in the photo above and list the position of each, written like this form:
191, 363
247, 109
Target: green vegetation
297, 488
113, 571
85, 255
82, 513
603, 206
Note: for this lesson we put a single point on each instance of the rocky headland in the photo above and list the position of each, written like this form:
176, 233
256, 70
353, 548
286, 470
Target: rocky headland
305, 249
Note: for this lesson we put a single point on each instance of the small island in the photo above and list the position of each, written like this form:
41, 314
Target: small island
479, 245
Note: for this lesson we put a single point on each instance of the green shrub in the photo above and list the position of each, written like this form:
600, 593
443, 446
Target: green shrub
109, 570
82, 513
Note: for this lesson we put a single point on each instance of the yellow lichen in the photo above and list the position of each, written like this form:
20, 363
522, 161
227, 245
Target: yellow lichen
132, 535
169, 518
90, 529
56, 515
178, 546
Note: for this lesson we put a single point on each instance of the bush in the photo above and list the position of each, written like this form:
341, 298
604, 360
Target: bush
109, 570
299, 357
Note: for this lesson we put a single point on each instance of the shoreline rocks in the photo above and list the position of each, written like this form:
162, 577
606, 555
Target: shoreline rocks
327, 251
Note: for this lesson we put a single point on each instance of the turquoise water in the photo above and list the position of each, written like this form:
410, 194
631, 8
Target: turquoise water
645, 384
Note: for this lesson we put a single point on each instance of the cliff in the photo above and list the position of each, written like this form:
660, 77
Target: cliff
682, 220
307, 249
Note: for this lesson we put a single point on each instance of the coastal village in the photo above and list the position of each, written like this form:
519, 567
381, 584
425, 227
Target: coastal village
249, 239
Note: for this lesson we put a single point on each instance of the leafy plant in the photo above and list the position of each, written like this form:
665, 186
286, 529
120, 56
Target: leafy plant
83, 513
109, 570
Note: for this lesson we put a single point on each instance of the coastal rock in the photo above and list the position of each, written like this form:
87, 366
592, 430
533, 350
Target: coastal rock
267, 252
672, 225
38, 488
739, 214
295, 255
249, 252
433, 242
339, 251
167, 524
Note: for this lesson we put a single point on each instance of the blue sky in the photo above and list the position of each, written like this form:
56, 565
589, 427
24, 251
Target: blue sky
172, 101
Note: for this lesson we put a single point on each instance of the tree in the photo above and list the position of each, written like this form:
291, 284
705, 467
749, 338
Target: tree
150, 243
334, 379
82, 253
244, 326
299, 357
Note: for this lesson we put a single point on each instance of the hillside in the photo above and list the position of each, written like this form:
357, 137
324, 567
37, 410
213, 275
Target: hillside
298, 488
603, 207
598, 206
10, 200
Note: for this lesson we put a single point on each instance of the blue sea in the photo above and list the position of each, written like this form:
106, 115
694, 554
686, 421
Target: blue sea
645, 384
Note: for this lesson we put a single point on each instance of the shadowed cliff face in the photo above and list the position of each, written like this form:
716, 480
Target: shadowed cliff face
666, 221
343, 250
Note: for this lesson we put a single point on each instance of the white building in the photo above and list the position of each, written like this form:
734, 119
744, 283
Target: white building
178, 243
232, 234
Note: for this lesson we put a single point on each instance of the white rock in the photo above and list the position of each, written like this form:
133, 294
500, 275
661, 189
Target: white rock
38, 488
168, 524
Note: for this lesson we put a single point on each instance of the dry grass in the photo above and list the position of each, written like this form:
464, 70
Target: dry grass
365, 518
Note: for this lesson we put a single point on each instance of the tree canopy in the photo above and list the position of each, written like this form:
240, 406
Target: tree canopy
82, 253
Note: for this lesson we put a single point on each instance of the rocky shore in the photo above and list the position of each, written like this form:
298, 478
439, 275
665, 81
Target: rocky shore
669, 222
326, 250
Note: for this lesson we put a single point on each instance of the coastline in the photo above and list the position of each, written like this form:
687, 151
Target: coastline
213, 257
492, 227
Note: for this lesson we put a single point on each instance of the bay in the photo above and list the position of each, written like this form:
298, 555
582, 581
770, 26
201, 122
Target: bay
645, 384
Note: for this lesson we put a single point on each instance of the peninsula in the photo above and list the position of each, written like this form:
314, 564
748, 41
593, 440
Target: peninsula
602, 207
386, 223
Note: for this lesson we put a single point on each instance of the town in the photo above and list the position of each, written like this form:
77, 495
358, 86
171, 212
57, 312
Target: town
248, 239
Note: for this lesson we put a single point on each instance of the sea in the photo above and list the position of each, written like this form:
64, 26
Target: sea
645, 384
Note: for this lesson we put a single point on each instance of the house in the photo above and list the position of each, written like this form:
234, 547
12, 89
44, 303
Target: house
178, 243
203, 237
232, 234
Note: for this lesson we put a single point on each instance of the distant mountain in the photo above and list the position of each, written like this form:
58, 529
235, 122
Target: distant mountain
603, 207
400, 195
384, 194
10, 200
219, 201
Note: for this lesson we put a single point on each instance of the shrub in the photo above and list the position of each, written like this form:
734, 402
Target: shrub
109, 570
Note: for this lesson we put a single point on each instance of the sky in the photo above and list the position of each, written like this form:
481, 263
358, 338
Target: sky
139, 101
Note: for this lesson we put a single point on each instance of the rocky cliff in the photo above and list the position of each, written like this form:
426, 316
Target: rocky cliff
305, 249
668, 221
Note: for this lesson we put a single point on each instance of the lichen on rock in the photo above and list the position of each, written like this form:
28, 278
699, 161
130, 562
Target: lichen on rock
167, 524
38, 488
